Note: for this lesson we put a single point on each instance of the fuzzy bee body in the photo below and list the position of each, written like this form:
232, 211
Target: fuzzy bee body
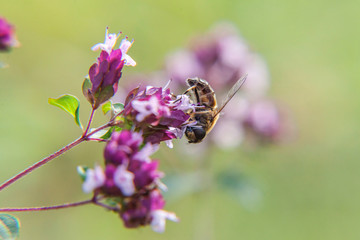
206, 111
203, 96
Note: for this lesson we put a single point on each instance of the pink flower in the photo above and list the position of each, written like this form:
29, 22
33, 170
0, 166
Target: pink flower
264, 119
130, 167
147, 209
154, 112
148, 107
105, 74
158, 219
7, 35
94, 179
124, 180
109, 42
124, 47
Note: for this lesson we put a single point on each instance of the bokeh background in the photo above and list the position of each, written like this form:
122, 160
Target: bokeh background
307, 188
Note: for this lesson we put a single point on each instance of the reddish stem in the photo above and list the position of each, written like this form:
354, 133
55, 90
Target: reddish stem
52, 156
40, 163
32, 209
89, 122
107, 206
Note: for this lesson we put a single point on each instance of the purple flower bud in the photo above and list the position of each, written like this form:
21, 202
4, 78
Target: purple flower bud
104, 76
145, 173
129, 168
122, 146
7, 35
138, 210
110, 188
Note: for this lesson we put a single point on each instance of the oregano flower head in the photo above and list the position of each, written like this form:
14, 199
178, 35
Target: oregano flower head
157, 113
104, 75
132, 177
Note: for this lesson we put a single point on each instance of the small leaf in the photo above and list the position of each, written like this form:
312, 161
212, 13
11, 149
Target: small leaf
117, 107
103, 134
131, 95
69, 104
106, 107
113, 201
107, 135
9, 227
117, 129
86, 89
82, 172
103, 95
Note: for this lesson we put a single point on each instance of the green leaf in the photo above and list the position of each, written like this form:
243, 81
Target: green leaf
107, 135
82, 172
103, 95
113, 201
117, 129
103, 134
69, 104
9, 227
106, 107
117, 107
87, 85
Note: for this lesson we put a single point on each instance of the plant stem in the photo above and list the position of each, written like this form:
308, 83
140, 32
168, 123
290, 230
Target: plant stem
56, 154
40, 163
89, 122
107, 206
32, 209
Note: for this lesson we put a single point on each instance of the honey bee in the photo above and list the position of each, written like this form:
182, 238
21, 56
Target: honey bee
206, 111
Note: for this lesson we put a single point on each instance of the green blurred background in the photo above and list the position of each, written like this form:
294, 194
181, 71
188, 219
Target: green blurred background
310, 187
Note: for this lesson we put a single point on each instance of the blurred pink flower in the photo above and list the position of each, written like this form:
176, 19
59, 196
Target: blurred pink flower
8, 38
222, 56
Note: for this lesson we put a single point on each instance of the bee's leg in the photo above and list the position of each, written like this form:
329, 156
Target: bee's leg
189, 89
203, 111
199, 107
193, 93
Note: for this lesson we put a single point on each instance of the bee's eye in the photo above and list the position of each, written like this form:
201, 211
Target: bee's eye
199, 133
195, 134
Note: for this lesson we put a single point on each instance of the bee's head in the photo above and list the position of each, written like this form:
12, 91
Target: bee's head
195, 134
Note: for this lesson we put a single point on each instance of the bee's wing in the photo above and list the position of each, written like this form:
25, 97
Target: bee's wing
232, 93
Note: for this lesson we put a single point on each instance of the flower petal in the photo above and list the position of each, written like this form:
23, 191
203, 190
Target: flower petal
94, 179
159, 217
124, 180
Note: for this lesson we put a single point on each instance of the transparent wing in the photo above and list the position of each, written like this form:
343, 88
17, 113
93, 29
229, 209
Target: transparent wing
232, 93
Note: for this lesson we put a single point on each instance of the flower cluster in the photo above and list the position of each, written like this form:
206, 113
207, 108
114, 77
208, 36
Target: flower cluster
105, 74
157, 114
133, 177
221, 57
7, 35
263, 118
